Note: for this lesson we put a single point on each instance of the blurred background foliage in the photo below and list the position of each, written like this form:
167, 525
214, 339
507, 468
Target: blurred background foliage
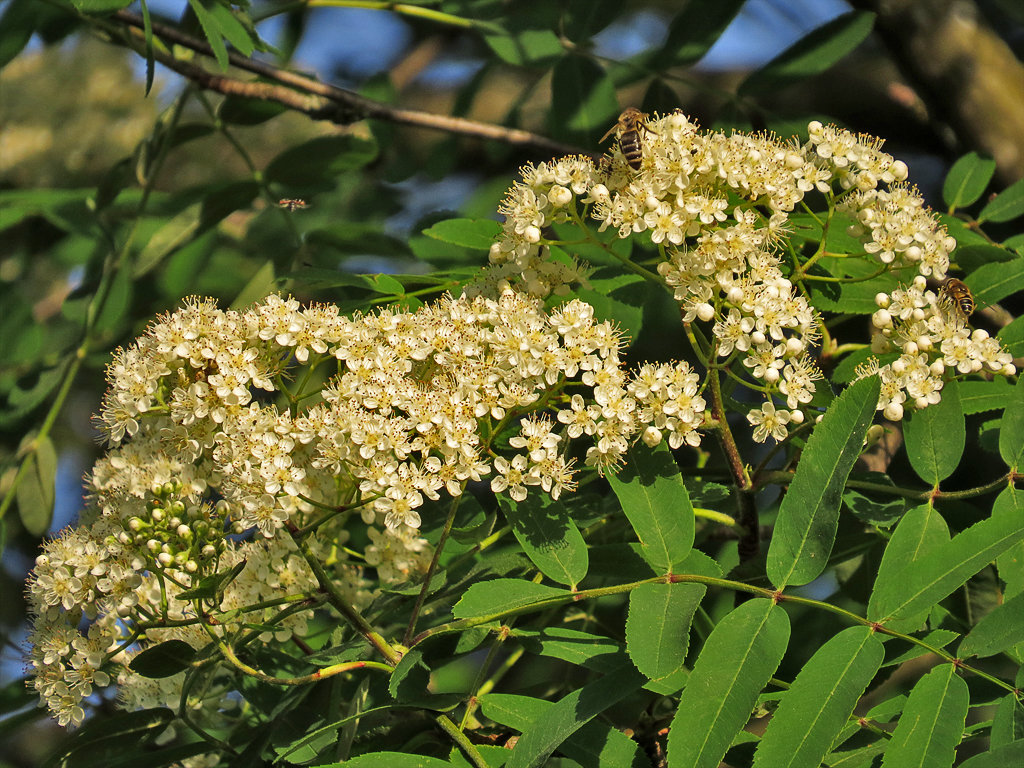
116, 203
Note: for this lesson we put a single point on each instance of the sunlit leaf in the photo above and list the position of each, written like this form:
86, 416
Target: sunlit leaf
966, 180
489, 598
932, 722
163, 660
936, 435
469, 233
1000, 629
1008, 204
695, 28
1011, 433
549, 537
36, 492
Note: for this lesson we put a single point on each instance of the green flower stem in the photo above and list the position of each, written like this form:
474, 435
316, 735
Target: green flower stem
711, 581
334, 596
460, 739
728, 443
320, 674
478, 683
453, 508
780, 477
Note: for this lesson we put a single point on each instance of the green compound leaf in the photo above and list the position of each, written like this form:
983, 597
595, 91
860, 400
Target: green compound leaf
489, 598
932, 722
469, 233
392, 760
981, 396
164, 660
1008, 722
655, 500
941, 567
936, 435
1011, 433
1012, 337
818, 704
594, 745
806, 526
967, 179
549, 537
570, 713
995, 281
1001, 629
37, 491
811, 54
738, 658
998, 757
1008, 204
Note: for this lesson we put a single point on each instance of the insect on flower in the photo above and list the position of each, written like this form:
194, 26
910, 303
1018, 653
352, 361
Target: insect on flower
629, 125
955, 293
292, 203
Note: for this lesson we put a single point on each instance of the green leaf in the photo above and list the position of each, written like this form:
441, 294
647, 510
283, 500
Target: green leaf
241, 110
583, 101
163, 660
970, 257
655, 501
391, 760
318, 162
935, 436
172, 235
595, 745
1008, 204
21, 402
549, 537
211, 31
998, 757
17, 25
531, 46
695, 29
806, 526
1012, 337
820, 700
811, 54
498, 596
658, 626
116, 305
259, 285
116, 738
570, 713
932, 722
37, 490
1008, 721
995, 281
231, 28
147, 31
469, 233
737, 660
944, 567
602, 654
981, 396
1011, 433
967, 179
998, 630
100, 6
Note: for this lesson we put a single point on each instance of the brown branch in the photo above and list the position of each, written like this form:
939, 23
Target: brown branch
322, 100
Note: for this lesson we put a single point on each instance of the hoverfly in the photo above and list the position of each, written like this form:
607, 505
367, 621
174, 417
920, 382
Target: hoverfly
292, 203
629, 125
955, 293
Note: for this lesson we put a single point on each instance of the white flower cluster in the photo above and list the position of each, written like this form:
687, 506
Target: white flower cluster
718, 207
932, 337
282, 417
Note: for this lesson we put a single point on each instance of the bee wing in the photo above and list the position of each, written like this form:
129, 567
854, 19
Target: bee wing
611, 130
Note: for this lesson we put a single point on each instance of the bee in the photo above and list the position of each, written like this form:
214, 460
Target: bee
629, 125
292, 203
955, 293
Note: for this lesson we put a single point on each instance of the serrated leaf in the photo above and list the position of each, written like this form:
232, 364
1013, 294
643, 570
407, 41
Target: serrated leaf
998, 757
566, 716
995, 281
932, 722
658, 626
163, 660
317, 162
981, 396
654, 498
820, 700
811, 54
971, 257
936, 436
172, 235
37, 490
1008, 721
602, 654
231, 28
548, 536
391, 760
583, 101
595, 745
211, 31
737, 660
806, 526
944, 567
967, 179
105, 737
498, 596
1008, 204
1012, 337
998, 630
100, 6
1011, 432
693, 30
469, 233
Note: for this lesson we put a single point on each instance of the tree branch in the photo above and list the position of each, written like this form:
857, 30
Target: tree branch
319, 100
